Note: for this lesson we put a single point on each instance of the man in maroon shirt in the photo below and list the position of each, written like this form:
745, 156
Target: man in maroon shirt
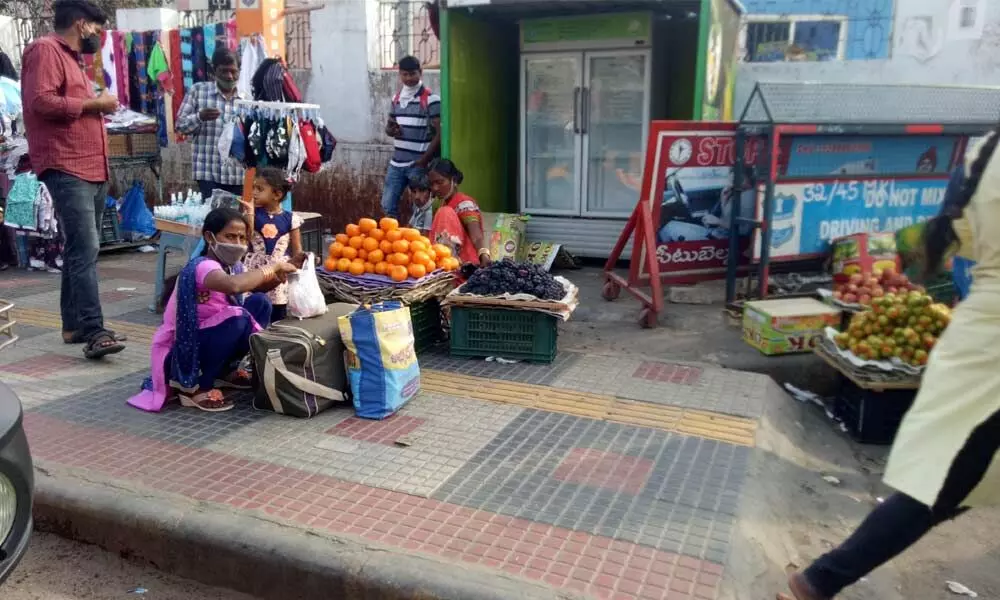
68, 146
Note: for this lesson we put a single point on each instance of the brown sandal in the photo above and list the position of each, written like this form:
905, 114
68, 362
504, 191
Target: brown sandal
800, 588
102, 344
240, 379
210, 401
76, 337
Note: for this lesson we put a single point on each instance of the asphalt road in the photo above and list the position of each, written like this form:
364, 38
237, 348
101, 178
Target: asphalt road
57, 569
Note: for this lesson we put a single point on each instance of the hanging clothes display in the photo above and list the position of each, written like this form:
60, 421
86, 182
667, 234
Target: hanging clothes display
232, 35
278, 134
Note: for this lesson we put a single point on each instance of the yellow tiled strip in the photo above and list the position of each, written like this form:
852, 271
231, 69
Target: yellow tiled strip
50, 320
709, 425
725, 428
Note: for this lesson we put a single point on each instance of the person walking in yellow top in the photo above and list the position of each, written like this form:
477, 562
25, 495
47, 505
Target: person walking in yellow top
942, 460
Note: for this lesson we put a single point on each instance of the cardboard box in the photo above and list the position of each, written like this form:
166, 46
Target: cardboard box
864, 253
788, 325
506, 237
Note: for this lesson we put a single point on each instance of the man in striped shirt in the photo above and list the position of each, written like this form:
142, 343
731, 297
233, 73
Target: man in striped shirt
415, 126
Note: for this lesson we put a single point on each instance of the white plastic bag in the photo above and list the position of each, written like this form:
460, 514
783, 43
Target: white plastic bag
305, 298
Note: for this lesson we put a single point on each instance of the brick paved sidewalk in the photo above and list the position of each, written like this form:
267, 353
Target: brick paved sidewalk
613, 477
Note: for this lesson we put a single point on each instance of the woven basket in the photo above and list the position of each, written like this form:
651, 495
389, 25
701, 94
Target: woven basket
118, 145
143, 144
342, 290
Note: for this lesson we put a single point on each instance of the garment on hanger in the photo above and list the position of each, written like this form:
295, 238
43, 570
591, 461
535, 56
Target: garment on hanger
142, 100
22, 203
268, 81
238, 147
187, 62
177, 74
296, 150
121, 66
110, 69
311, 162
159, 73
276, 142
198, 60
251, 55
232, 37
292, 93
209, 31
327, 141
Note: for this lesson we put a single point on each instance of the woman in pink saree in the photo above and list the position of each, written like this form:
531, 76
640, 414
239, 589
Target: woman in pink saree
214, 305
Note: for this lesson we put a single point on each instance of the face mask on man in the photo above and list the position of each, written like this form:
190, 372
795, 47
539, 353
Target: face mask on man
90, 43
229, 254
226, 85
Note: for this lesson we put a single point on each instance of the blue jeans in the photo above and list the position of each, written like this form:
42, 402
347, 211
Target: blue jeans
79, 206
396, 180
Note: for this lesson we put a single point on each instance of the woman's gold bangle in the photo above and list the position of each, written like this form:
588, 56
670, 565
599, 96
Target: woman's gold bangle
268, 272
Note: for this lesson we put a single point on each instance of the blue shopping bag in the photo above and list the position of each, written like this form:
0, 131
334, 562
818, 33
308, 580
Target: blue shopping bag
135, 215
381, 362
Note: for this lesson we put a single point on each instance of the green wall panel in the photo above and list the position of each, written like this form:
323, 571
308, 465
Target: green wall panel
481, 73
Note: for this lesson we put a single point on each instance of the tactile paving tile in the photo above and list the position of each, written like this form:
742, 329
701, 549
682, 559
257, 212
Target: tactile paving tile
686, 500
716, 390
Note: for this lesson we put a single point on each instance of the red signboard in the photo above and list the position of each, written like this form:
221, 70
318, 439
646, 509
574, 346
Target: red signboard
691, 198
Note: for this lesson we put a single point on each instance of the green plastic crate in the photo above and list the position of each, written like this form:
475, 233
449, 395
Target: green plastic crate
426, 319
514, 334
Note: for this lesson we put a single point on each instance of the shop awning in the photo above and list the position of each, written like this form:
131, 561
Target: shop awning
579, 6
791, 103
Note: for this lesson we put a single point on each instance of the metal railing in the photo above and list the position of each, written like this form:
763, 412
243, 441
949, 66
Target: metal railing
298, 41
404, 28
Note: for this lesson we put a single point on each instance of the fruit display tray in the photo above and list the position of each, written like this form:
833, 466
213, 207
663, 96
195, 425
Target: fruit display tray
872, 379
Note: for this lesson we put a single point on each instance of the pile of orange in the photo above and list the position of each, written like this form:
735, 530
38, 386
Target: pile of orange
385, 248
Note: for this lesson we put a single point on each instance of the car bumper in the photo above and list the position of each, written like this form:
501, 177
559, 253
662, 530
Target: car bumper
15, 465
20, 546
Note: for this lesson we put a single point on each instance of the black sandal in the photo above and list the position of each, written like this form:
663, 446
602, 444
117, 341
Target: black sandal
76, 337
102, 344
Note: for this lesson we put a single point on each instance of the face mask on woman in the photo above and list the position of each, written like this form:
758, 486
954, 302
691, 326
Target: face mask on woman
228, 254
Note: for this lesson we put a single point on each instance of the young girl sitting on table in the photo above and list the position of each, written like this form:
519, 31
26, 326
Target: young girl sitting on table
214, 305
275, 236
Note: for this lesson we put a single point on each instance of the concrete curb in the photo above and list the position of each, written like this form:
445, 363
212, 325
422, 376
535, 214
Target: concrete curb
255, 556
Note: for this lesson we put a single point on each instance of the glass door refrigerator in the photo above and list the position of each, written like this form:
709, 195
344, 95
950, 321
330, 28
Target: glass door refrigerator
584, 120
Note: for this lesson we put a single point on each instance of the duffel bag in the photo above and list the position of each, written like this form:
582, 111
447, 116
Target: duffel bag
299, 365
